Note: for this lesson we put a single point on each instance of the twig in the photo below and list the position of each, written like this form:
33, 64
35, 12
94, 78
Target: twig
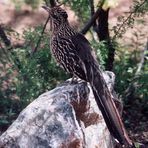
4, 37
92, 7
6, 41
140, 65
92, 20
92, 12
12, 57
52, 3
104, 35
102, 28
132, 87
129, 17
38, 43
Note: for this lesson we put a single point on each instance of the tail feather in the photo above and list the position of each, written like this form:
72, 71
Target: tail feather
106, 104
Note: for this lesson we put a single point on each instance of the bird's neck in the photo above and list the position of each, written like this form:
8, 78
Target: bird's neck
62, 29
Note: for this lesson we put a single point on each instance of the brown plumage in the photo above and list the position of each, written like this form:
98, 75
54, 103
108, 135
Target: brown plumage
73, 53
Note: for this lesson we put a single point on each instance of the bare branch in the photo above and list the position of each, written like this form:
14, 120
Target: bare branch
92, 12
52, 4
4, 37
92, 20
140, 65
103, 33
38, 43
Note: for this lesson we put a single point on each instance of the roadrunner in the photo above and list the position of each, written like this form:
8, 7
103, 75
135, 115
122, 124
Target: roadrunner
73, 53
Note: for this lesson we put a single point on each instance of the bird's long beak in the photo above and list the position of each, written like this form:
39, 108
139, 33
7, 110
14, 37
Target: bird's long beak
46, 8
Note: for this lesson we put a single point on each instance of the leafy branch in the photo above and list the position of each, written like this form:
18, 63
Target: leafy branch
129, 21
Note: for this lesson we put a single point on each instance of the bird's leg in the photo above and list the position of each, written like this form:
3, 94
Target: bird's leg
74, 79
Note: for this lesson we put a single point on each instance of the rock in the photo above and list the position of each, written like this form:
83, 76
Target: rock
65, 117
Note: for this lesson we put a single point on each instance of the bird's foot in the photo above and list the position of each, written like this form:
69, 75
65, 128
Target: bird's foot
74, 80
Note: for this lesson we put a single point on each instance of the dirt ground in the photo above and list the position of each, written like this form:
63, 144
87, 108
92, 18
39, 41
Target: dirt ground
29, 18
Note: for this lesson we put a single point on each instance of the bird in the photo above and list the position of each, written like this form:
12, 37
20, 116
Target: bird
73, 52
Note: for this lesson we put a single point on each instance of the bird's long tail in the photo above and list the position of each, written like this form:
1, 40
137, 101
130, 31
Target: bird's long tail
106, 104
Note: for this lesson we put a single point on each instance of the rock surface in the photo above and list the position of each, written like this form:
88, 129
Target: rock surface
65, 117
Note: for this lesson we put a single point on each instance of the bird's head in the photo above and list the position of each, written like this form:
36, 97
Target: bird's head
57, 14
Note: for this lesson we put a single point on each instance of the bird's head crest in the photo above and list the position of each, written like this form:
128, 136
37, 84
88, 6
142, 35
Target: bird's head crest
56, 12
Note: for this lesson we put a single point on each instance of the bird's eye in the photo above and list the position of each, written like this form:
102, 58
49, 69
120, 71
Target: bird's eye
54, 16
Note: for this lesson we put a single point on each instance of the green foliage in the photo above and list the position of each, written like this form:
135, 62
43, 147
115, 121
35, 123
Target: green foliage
139, 8
33, 3
130, 85
34, 75
81, 8
9, 108
39, 72
101, 51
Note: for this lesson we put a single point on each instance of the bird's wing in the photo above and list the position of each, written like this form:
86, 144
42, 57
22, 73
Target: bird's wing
69, 57
100, 89
85, 53
82, 46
